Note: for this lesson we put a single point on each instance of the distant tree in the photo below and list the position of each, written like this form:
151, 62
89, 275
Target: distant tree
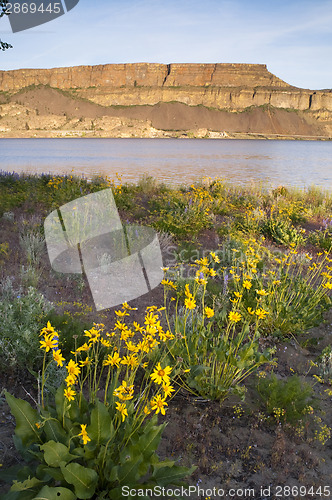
3, 12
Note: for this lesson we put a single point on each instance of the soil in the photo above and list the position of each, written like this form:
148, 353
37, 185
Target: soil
240, 453
48, 112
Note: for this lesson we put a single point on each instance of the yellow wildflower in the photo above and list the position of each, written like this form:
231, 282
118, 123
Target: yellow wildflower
73, 368
112, 360
49, 342
84, 434
57, 356
161, 375
190, 303
158, 404
247, 284
168, 389
124, 391
69, 393
121, 407
121, 314
84, 347
48, 330
132, 347
235, 317
168, 283
93, 334
85, 362
215, 257
70, 379
150, 319
209, 313
126, 334
131, 361
261, 313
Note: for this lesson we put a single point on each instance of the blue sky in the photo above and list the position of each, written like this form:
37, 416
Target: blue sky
294, 37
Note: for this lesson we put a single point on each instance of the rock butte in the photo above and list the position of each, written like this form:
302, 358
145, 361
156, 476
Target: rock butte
221, 86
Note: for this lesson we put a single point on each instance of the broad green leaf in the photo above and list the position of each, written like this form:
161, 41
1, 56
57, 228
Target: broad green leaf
165, 463
55, 453
26, 420
83, 479
54, 430
133, 455
167, 476
101, 428
46, 473
48, 493
129, 468
28, 484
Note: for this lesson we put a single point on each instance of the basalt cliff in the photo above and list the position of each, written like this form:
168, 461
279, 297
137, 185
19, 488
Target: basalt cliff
160, 100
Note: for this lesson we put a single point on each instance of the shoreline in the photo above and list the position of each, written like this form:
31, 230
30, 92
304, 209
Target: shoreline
158, 134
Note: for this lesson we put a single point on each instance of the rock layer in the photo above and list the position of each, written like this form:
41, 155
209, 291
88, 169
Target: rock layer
143, 74
119, 89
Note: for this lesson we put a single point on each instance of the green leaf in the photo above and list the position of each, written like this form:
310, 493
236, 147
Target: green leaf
83, 479
55, 431
48, 493
28, 484
46, 473
140, 450
164, 463
55, 453
26, 420
167, 476
101, 428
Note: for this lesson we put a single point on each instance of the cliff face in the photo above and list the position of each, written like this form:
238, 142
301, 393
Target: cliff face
143, 74
228, 88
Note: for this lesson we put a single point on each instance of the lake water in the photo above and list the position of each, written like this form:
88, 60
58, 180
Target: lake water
176, 161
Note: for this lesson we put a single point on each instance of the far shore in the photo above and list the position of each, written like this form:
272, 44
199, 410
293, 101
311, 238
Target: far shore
154, 134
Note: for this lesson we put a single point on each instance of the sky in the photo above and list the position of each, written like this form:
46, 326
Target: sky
292, 37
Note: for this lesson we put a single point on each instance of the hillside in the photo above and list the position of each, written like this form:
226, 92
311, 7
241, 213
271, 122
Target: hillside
158, 100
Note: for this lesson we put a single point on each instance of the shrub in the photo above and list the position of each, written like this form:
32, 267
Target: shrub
282, 232
21, 318
96, 436
286, 401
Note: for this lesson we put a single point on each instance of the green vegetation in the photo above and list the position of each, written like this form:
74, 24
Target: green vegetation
247, 270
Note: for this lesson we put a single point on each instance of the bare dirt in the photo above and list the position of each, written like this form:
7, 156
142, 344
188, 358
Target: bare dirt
48, 112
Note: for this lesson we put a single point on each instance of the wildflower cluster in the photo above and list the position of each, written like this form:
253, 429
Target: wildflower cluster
84, 439
217, 351
122, 352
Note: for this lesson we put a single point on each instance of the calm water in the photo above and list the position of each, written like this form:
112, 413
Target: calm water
297, 163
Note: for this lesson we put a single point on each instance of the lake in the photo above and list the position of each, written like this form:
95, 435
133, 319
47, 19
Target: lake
176, 161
